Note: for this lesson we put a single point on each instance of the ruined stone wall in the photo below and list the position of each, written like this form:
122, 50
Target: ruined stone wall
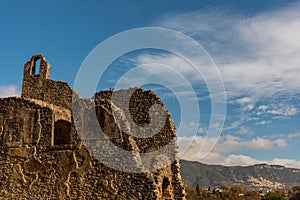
167, 180
53, 92
38, 87
24, 123
45, 153
38, 169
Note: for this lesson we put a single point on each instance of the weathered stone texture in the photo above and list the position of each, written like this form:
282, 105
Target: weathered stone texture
43, 155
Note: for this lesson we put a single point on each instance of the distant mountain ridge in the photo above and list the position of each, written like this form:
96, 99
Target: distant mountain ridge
255, 176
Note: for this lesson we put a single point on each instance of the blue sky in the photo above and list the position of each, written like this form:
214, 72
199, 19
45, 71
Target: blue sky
255, 44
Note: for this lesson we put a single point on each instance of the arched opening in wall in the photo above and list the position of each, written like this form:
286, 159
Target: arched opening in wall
36, 62
62, 132
166, 187
37, 66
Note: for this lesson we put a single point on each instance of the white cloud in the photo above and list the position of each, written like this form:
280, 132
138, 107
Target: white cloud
234, 125
283, 109
160, 64
264, 122
191, 128
245, 131
8, 91
246, 103
293, 135
262, 107
277, 32
189, 147
281, 143
244, 100
232, 144
285, 162
257, 56
242, 160
259, 59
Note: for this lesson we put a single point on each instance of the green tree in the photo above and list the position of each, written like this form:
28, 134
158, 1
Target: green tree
198, 190
273, 196
252, 195
236, 189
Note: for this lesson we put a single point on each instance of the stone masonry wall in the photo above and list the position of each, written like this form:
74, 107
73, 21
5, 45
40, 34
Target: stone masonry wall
38, 87
45, 153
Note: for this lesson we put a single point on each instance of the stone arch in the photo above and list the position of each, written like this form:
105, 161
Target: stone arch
33, 62
62, 133
30, 68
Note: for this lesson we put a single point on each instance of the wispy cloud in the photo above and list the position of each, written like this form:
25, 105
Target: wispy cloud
8, 91
259, 59
242, 160
258, 56
231, 145
293, 135
245, 131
